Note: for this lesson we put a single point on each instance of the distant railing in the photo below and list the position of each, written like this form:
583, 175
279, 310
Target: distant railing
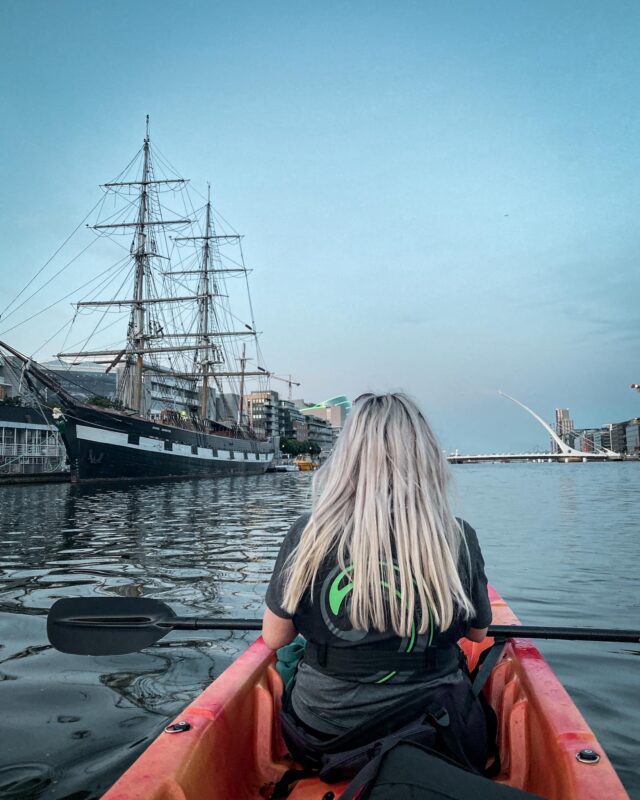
33, 450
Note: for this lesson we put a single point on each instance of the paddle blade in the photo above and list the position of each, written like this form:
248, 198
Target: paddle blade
98, 626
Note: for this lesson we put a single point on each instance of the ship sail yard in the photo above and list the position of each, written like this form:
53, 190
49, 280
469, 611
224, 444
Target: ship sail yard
182, 364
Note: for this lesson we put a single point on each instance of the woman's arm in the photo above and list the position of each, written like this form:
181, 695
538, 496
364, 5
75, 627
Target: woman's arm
277, 631
479, 594
476, 634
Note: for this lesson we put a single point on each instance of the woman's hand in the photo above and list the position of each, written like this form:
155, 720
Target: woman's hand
476, 634
276, 631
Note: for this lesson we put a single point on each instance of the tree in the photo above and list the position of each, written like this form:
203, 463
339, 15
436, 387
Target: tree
292, 447
103, 402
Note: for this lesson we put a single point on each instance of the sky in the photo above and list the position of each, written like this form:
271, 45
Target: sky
441, 198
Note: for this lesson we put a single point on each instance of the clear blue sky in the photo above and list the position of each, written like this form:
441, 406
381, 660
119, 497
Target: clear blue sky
439, 197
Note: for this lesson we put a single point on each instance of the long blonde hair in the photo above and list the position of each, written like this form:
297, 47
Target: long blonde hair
380, 506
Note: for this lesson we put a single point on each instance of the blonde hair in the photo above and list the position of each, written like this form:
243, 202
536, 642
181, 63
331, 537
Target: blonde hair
380, 506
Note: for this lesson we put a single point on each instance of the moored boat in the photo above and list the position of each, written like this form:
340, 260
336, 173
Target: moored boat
181, 367
282, 465
305, 464
227, 742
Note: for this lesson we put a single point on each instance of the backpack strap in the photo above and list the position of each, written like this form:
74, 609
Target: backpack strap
489, 659
284, 786
369, 772
491, 656
377, 727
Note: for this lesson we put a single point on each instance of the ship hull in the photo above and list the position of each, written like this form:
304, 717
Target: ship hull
110, 446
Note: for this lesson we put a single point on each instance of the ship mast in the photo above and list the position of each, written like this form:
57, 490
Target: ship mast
137, 334
137, 344
209, 354
243, 364
203, 290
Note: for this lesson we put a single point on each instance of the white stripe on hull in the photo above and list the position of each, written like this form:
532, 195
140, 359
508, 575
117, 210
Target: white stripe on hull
104, 436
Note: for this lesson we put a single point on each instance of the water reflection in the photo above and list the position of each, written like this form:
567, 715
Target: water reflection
560, 543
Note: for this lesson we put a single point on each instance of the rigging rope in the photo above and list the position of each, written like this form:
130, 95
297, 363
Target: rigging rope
44, 266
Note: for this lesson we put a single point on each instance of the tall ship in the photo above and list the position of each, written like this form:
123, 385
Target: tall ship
185, 356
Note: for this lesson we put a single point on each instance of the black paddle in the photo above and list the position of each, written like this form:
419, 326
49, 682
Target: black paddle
98, 626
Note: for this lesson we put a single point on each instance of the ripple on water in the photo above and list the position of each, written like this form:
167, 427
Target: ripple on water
24, 781
560, 542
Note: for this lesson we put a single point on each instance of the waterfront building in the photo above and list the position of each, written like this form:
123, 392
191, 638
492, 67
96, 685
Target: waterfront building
333, 411
291, 421
334, 415
592, 440
300, 429
29, 443
228, 409
618, 436
632, 435
160, 389
263, 412
164, 392
6, 386
12, 383
564, 429
320, 432
85, 379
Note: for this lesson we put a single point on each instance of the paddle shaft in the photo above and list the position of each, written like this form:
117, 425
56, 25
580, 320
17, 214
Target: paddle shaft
118, 625
519, 631
569, 634
213, 624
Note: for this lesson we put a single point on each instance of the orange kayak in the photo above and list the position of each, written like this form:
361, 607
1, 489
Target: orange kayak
231, 746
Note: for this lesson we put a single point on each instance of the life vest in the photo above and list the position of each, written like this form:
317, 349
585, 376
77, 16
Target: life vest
451, 718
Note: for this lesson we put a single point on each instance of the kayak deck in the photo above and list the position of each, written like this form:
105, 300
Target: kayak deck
234, 749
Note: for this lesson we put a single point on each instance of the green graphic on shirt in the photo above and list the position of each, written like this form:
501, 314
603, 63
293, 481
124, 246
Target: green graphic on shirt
337, 593
342, 586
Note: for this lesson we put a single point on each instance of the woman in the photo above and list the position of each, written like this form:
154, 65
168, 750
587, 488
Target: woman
380, 578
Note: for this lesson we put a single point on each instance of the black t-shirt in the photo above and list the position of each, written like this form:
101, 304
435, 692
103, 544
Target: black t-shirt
322, 617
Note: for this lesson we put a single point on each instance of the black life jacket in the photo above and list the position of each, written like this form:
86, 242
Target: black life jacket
451, 718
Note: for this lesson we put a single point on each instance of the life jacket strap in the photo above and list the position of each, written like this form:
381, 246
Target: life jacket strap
359, 660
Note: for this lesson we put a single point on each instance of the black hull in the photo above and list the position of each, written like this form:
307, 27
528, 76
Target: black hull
109, 446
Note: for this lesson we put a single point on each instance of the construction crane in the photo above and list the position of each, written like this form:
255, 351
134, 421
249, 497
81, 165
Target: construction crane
288, 380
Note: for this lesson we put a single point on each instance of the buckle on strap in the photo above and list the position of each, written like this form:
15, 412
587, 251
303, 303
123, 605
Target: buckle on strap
439, 716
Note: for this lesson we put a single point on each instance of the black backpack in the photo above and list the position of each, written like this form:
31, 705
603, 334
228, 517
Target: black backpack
447, 718
407, 771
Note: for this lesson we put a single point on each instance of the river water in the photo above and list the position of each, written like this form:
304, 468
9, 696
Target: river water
561, 543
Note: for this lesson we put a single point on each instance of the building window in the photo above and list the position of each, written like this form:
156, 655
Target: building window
133, 438
194, 449
168, 445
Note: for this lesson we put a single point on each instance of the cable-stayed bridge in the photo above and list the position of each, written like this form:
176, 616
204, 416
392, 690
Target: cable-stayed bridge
565, 454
